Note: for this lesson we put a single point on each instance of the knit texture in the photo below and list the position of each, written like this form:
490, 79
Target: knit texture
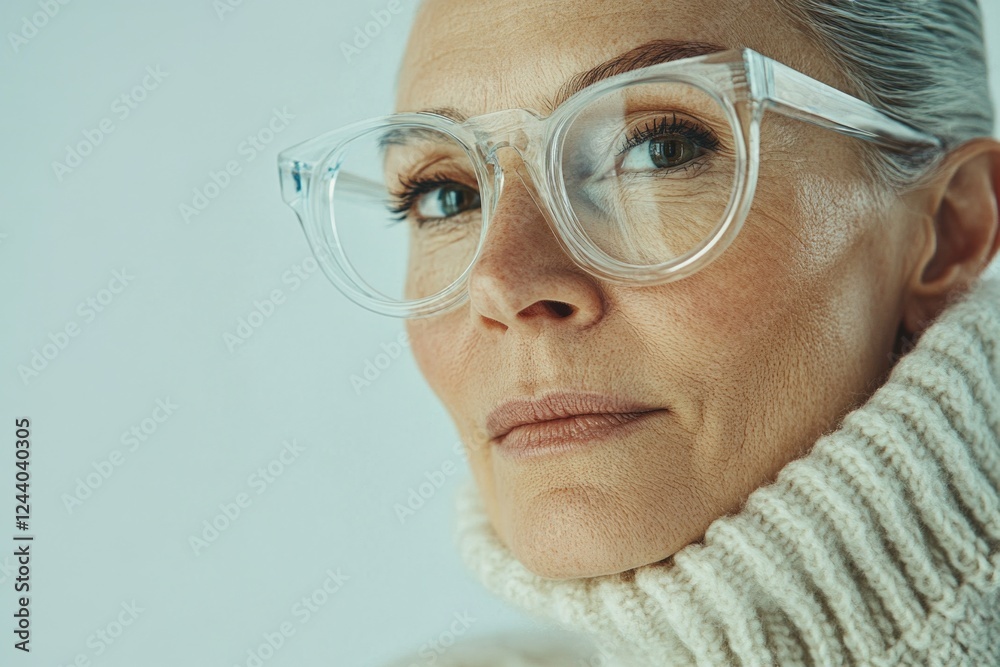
880, 546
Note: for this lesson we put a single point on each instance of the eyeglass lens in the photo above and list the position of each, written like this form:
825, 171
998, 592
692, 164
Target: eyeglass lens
649, 171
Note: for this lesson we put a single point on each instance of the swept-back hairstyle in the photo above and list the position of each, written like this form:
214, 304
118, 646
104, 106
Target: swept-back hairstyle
922, 61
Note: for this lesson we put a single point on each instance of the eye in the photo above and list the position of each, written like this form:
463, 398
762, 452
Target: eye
660, 153
666, 145
446, 201
432, 198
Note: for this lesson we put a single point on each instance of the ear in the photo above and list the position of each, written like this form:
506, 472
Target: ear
961, 230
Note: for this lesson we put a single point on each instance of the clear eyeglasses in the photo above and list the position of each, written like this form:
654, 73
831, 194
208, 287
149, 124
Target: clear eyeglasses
644, 178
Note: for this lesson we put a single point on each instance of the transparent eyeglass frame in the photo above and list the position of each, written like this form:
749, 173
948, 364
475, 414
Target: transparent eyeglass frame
743, 82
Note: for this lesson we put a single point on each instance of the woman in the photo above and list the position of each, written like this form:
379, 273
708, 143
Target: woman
784, 453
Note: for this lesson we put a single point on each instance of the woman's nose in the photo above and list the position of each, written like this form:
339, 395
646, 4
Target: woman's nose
523, 280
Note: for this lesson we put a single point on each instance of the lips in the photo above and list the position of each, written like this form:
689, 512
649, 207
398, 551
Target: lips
575, 412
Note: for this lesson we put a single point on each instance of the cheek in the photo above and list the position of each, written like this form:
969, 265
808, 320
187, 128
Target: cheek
444, 351
814, 217
429, 341
796, 290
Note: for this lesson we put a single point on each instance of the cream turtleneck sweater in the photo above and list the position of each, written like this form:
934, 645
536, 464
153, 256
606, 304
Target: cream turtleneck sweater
880, 546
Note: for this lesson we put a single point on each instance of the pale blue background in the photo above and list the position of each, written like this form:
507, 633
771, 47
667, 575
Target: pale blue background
162, 338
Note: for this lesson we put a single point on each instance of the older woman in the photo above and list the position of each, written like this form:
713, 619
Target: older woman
701, 285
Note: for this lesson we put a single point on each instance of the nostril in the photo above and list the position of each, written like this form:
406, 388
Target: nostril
560, 309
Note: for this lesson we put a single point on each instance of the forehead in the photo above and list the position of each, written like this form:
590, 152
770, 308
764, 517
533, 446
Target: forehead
488, 55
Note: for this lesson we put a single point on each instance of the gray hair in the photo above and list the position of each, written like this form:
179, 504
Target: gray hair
921, 61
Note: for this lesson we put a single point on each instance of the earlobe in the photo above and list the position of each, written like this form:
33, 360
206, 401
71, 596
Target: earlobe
961, 231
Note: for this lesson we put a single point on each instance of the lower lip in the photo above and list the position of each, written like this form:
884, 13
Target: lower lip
569, 434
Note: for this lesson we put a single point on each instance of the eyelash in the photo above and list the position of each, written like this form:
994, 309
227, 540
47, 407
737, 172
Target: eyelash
412, 188
683, 127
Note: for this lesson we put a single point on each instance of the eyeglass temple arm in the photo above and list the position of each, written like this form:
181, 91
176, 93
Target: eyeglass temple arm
799, 96
359, 187
295, 174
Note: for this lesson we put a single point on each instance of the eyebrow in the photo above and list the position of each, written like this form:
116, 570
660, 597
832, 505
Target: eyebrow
645, 55
651, 53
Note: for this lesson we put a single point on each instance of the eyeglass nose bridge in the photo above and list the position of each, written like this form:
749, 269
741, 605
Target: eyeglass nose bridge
520, 129
523, 131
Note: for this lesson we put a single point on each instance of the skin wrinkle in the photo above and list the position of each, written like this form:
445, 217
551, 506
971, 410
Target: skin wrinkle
755, 356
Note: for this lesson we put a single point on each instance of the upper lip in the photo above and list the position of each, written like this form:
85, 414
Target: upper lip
557, 405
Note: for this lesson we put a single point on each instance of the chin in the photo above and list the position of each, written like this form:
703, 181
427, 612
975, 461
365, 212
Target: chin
575, 533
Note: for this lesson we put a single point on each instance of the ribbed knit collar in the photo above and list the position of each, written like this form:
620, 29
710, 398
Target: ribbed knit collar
880, 546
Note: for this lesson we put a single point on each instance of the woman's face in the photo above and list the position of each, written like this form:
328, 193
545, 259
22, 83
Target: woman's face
745, 364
